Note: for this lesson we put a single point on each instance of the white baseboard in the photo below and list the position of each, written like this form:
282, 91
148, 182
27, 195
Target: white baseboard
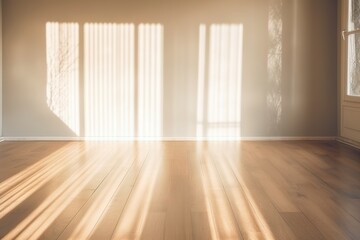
307, 138
19, 139
313, 138
2, 139
349, 142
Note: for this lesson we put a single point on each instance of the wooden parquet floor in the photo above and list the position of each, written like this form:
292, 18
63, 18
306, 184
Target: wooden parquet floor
179, 190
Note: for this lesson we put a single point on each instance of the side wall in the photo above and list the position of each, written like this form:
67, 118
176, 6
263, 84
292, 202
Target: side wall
1, 72
288, 77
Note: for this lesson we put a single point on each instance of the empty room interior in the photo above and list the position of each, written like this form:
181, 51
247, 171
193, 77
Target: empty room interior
180, 119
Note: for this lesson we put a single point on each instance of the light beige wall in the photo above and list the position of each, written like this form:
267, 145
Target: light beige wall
303, 85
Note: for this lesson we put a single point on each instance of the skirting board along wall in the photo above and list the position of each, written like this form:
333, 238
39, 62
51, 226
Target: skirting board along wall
169, 69
349, 142
169, 139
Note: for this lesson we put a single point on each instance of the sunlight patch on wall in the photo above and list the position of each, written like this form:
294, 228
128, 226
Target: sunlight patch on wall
118, 103
274, 61
109, 79
150, 80
62, 58
219, 81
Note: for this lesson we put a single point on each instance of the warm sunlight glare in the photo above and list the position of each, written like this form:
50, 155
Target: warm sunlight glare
150, 80
109, 79
220, 216
241, 207
118, 102
250, 201
201, 82
219, 81
54, 204
231, 208
133, 218
22, 185
100, 204
11, 182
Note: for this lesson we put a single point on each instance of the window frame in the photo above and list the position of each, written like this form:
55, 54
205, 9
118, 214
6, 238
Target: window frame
344, 54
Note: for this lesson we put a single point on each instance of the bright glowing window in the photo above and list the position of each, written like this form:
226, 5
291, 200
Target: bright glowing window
353, 41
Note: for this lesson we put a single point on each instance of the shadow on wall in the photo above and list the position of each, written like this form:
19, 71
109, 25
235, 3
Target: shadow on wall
62, 57
274, 63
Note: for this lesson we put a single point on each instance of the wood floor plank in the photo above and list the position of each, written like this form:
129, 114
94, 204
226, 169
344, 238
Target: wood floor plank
301, 226
105, 227
201, 217
178, 195
27, 207
154, 226
31, 152
224, 222
133, 218
276, 193
83, 224
341, 220
63, 220
327, 226
267, 216
179, 190
341, 179
241, 208
200, 226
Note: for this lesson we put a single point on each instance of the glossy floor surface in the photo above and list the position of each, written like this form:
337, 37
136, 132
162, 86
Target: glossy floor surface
179, 190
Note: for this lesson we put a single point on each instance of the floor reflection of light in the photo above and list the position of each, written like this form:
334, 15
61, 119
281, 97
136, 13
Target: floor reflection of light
25, 183
241, 206
22, 191
256, 212
220, 216
133, 218
229, 202
41, 218
95, 212
62, 58
206, 189
19, 177
219, 88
